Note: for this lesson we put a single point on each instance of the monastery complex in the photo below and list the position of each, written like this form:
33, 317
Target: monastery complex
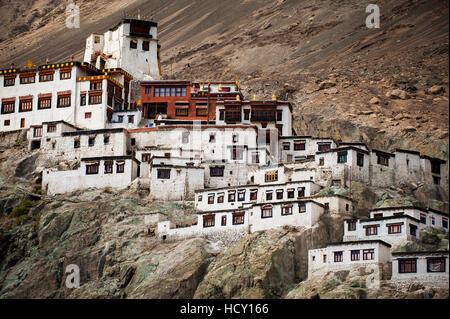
239, 160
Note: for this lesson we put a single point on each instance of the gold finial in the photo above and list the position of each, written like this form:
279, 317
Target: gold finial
30, 63
254, 97
274, 97
238, 98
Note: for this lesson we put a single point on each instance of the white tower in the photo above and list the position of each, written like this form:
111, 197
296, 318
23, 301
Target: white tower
131, 45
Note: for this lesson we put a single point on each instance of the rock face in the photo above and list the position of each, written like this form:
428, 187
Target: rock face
262, 265
397, 94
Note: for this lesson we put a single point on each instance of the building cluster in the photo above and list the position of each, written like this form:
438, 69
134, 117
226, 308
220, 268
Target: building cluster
239, 160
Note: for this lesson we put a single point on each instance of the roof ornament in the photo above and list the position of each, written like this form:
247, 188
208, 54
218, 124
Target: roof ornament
238, 98
274, 97
254, 97
139, 14
46, 61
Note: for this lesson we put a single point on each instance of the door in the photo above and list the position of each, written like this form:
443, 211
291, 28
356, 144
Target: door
22, 123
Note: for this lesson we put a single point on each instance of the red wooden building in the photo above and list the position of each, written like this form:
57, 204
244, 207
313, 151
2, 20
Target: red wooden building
185, 100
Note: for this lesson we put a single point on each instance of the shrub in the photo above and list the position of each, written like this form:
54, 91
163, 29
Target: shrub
23, 209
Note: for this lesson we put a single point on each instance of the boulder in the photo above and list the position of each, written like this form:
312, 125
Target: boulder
397, 94
436, 89
374, 100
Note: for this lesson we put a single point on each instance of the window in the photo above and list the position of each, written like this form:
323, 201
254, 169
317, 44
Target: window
133, 44
324, 258
91, 141
368, 254
238, 218
382, 160
379, 215
6, 122
241, 196
436, 264
65, 75
44, 103
9, 81
105, 139
347, 207
371, 230
145, 45
253, 194
436, 180
444, 222
163, 173
82, 99
271, 176
286, 210
130, 118
27, 79
201, 112
22, 122
120, 167
299, 146
286, 146
255, 158
45, 77
185, 137
221, 115
37, 131
433, 220
302, 207
92, 169
423, 218
108, 167
200, 198
266, 212
290, 193
76, 143
326, 206
301, 192
354, 255
208, 221
407, 265
216, 171
212, 137
146, 157
269, 195
220, 198
338, 256
279, 115
321, 161
211, 199
87, 115
26, 105
133, 141
96, 85
8, 107
399, 214
237, 153
280, 194
394, 228
351, 225
224, 220
63, 101
342, 157
167, 91
235, 138
324, 147
360, 159
95, 99
231, 196
181, 111
51, 128
120, 119
412, 230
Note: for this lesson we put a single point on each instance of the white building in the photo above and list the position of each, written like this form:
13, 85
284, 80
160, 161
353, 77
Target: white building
96, 172
131, 45
372, 255
429, 268
73, 92
394, 225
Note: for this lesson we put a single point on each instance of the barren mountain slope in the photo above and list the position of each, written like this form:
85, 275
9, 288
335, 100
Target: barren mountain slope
282, 47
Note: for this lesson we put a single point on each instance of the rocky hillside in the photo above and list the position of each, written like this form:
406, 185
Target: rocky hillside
103, 232
387, 86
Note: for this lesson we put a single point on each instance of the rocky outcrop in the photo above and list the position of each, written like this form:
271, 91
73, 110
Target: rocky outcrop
262, 265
